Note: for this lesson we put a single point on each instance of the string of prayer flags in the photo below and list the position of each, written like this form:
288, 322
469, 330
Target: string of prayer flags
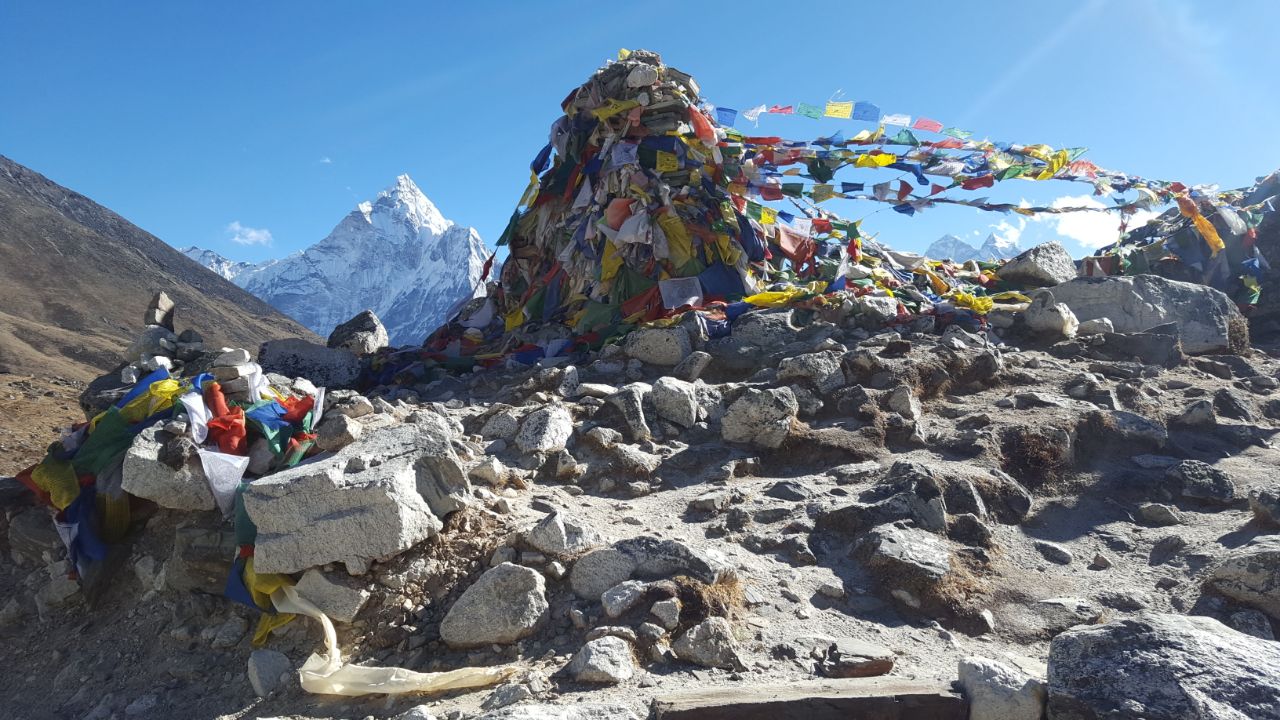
866, 111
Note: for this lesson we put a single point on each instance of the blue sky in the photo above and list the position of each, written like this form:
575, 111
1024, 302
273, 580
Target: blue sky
207, 123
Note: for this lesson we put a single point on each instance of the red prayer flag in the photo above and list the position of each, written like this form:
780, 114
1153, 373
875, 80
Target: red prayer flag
936, 189
903, 190
782, 110
982, 181
927, 124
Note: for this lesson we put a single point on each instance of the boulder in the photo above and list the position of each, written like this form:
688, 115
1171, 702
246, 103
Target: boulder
605, 660
545, 430
659, 346
709, 644
998, 691
145, 475
337, 431
1265, 505
361, 504
675, 401
628, 401
1041, 266
760, 417
691, 367
599, 570
506, 604
1162, 667
850, 658
362, 334
326, 367
1204, 482
1207, 320
1250, 575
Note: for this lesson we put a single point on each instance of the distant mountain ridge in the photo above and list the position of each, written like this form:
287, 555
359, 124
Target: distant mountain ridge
953, 248
75, 279
396, 255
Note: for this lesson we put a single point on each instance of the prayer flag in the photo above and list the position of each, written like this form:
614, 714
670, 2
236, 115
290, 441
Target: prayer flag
842, 110
848, 187
897, 119
927, 125
823, 191
957, 133
726, 116
809, 111
866, 111
667, 162
768, 216
782, 110
754, 113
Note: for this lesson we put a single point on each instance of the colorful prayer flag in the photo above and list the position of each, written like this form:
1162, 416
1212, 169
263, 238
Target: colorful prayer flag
897, 119
726, 116
667, 162
843, 110
957, 133
927, 125
809, 111
782, 110
823, 191
754, 113
866, 111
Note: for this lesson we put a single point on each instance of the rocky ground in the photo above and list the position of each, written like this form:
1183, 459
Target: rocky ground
810, 499
33, 409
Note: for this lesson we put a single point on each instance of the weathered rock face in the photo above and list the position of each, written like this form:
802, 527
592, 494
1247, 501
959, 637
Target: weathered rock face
603, 660
558, 535
144, 475
709, 644
1251, 575
676, 401
545, 430
506, 604
362, 334
1162, 667
340, 598
1207, 319
326, 367
998, 691
760, 417
1041, 266
361, 504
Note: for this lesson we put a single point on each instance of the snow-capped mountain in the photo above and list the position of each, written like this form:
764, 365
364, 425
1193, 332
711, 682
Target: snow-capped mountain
397, 256
950, 246
228, 269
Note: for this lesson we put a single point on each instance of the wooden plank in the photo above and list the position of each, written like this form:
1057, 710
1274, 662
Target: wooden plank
878, 698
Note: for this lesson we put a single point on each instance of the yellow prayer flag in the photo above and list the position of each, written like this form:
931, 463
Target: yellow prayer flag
839, 110
823, 191
875, 161
613, 107
768, 216
667, 162
623, 53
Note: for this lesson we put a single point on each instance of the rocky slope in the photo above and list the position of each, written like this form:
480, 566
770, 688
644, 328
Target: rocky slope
74, 277
397, 256
1017, 511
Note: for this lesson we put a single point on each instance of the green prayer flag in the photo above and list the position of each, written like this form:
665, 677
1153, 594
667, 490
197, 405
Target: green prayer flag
809, 111
792, 189
904, 137
819, 170
957, 133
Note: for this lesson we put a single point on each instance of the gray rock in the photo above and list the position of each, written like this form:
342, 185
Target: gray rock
355, 406
850, 658
620, 598
559, 535
1050, 318
659, 346
1232, 404
266, 670
577, 711
1252, 622
1054, 552
1250, 575
998, 691
599, 570
676, 401
362, 334
629, 402
667, 613
545, 430
606, 660
503, 424
293, 357
1097, 326
903, 401
145, 475
1265, 506
361, 504
340, 598
822, 369
337, 431
1202, 481
506, 695
1134, 304
656, 559
692, 367
1162, 667
1056, 614
1041, 266
419, 712
709, 644
760, 417
506, 604
1197, 413
1159, 514
230, 632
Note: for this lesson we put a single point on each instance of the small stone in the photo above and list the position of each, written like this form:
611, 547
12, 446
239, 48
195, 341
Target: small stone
230, 632
1100, 562
1204, 482
667, 613
606, 660
1159, 514
1054, 552
835, 591
850, 658
622, 597
337, 431
709, 644
266, 668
